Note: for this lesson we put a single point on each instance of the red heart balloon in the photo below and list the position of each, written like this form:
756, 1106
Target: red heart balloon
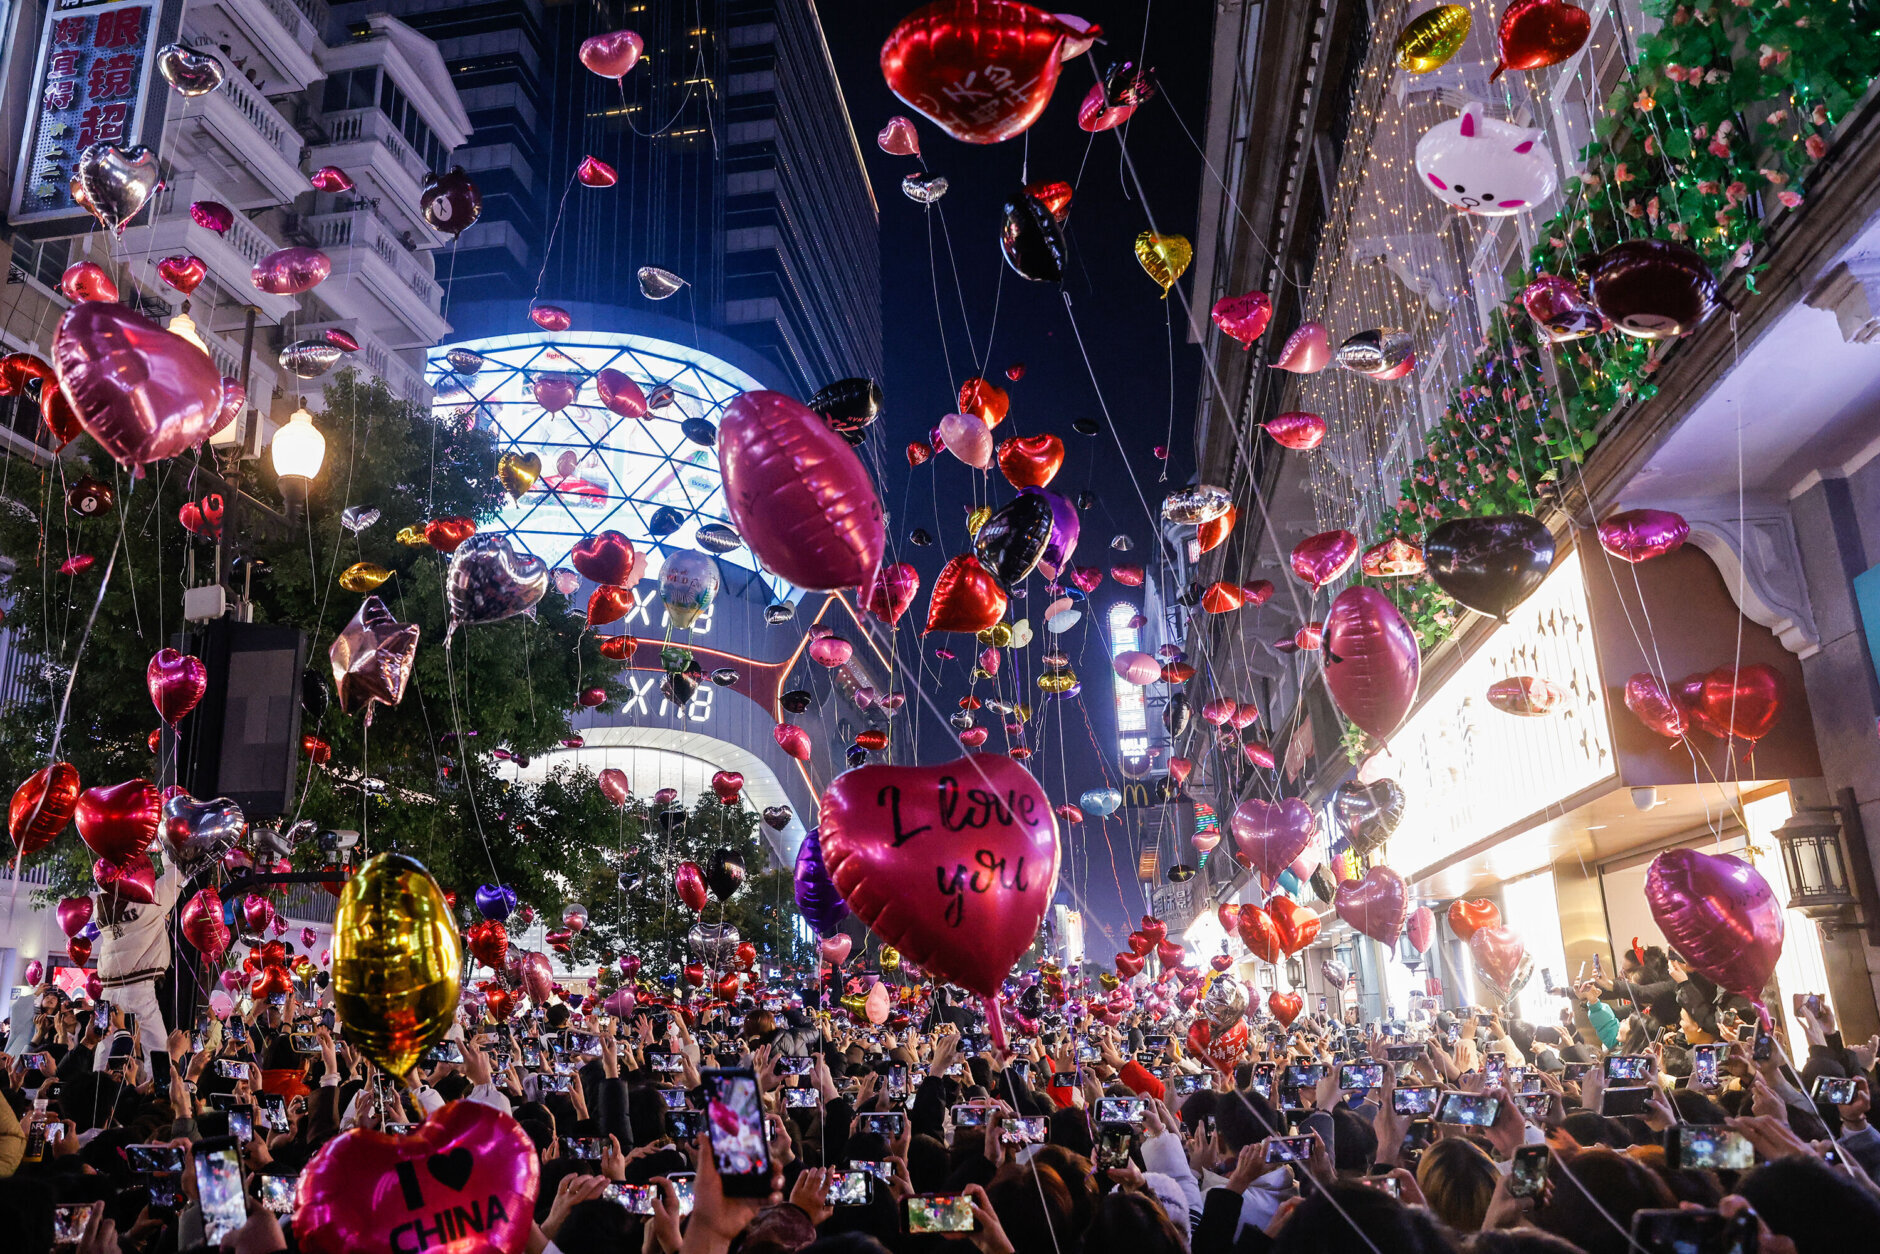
793, 740
78, 949
1140, 944
728, 786
1243, 318
488, 942
624, 397
1376, 905
981, 70
42, 806
1297, 926
919, 452
1744, 703
497, 1000
176, 682
695, 974
1466, 918
144, 393
1171, 954
973, 737
131, 882
689, 882
727, 986
202, 924
1535, 34
1220, 962
606, 557
966, 598
1222, 1051
87, 280
445, 534
1258, 933
1228, 914
1180, 769
1155, 929
184, 273
609, 604
952, 864
1285, 1006
1324, 557
1129, 965
891, 591
1031, 461
120, 821
985, 400
463, 1182
269, 981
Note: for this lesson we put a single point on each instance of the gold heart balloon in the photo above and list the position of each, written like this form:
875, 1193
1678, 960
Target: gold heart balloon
1429, 41
363, 577
518, 472
999, 635
1164, 258
1057, 681
977, 519
1107, 980
856, 1004
412, 535
396, 960
890, 958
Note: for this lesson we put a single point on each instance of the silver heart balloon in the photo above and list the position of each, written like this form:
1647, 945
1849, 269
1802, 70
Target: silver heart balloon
311, 358
1368, 813
192, 73
1197, 504
490, 580
195, 831
924, 189
657, 284
356, 518
1377, 351
115, 183
1336, 973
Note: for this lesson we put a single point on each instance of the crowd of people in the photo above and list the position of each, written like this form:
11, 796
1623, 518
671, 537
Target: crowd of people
1652, 1117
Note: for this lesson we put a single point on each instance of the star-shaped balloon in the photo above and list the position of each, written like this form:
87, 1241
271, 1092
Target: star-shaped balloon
372, 658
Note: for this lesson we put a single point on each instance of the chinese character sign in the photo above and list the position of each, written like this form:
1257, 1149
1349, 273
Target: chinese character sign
92, 87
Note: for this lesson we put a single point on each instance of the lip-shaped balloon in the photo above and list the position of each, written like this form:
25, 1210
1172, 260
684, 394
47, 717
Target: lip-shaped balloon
42, 806
291, 271
980, 70
1032, 239
211, 215
594, 172
1271, 835
1376, 905
142, 392
1638, 535
1297, 430
1307, 350
1372, 662
658, 284
1526, 696
87, 280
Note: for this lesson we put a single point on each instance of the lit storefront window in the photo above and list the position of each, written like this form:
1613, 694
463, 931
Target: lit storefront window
1532, 898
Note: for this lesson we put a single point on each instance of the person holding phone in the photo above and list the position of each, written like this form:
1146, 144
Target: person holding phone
133, 951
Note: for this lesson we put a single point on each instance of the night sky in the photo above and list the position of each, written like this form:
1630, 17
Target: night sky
1124, 324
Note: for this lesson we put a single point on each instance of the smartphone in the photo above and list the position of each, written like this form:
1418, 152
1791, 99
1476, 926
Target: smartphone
1705, 1060
1574, 1072
277, 1193
738, 1141
160, 1070
884, 1123
850, 1188
675, 1099
1157, 1041
1707, 1147
1022, 1130
1494, 1070
1388, 1184
219, 1189
1304, 1075
1834, 1090
1421, 1136
153, 1159
1765, 1047
582, 1147
881, 1170
970, 1116
443, 1051
273, 1110
682, 1184
241, 1124
637, 1198
1693, 1232
1625, 1100
1534, 1106
1354, 1076
1453, 1035
277, 999
1020, 1070
800, 1099
1114, 1143
1468, 1110
684, 1125
1063, 1079
556, 1083
1086, 1052
1628, 1068
231, 1068
896, 1079
1262, 1081
68, 1222
1415, 1099
938, 1212
667, 1062
1528, 1176
1289, 1149
1186, 1084
1127, 1110
101, 1016
1403, 1053
327, 1019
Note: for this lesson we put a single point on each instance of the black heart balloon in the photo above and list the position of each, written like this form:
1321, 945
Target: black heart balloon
724, 873
796, 700
1490, 564
665, 521
779, 612
848, 406
314, 694
1323, 887
699, 431
1010, 542
678, 689
1177, 714
777, 817
1032, 240
920, 537
1368, 813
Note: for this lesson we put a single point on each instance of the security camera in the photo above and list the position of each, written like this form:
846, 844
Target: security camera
1645, 798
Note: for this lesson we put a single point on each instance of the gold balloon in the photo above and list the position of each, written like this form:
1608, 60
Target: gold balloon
1164, 258
363, 577
1024, 712
999, 635
1107, 980
890, 958
518, 473
977, 519
1057, 681
856, 1004
396, 961
1428, 41
412, 535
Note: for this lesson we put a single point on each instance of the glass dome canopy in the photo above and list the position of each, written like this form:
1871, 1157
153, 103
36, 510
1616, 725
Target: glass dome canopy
599, 471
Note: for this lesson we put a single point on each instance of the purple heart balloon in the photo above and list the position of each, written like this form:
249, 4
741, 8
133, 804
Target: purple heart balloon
1271, 837
816, 894
1719, 914
1376, 905
1065, 526
495, 902
1637, 535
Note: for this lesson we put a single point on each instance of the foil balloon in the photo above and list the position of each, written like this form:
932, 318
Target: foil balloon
1651, 289
1490, 563
1420, 927
1257, 933
200, 921
291, 271
817, 898
1535, 34
211, 215
73, 913
1719, 914
1394, 558
1135, 667
1221, 1050
848, 407
176, 682
688, 584
980, 70
1164, 258
1526, 696
688, 881
899, 138
1638, 535
1497, 954
1102, 802
1336, 973
1243, 318
1429, 40
1031, 461
1196, 505
488, 580
1376, 905
968, 439
1372, 664
1297, 430
1655, 706
488, 942
835, 949
1224, 1003
966, 598
518, 472
1061, 544
1213, 533
495, 902
1367, 814
115, 183
890, 591
396, 960
1744, 702
1381, 353
658, 284
234, 397
724, 873
372, 658
924, 189
1271, 835
612, 55
309, 359
606, 557
1285, 1007
330, 178
1320, 559
1012, 540
191, 72
619, 393
142, 392
450, 202
118, 822
197, 832
1466, 918
953, 864
1483, 166
87, 280
465, 1178
1032, 239
1561, 311
1307, 350
42, 806
798, 494
793, 740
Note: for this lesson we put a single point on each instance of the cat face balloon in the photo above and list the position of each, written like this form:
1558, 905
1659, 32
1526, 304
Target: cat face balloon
1480, 165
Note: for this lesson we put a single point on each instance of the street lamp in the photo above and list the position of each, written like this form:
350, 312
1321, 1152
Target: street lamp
1811, 853
298, 452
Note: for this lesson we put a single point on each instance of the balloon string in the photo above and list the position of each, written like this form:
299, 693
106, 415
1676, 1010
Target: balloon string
71, 679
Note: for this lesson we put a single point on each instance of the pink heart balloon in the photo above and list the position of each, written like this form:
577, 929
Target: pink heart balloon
1324, 557
73, 914
1497, 952
1307, 350
176, 682
1244, 318
1421, 926
899, 137
1376, 905
891, 591
122, 883
142, 392
1719, 914
1271, 836
835, 949
1372, 663
614, 786
613, 54
831, 651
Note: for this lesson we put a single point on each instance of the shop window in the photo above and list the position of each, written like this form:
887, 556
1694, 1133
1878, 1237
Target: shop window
1801, 968
350, 89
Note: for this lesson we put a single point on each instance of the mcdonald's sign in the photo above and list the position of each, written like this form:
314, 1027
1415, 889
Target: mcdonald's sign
1135, 795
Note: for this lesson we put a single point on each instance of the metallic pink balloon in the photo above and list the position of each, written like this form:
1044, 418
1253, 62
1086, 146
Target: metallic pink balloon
1298, 430
537, 975
201, 923
369, 1192
140, 391
73, 914
1421, 927
212, 215
35, 972
1272, 836
1719, 913
793, 740
967, 438
1653, 705
122, 883
620, 393
176, 682
1638, 535
234, 396
1498, 952
1376, 905
620, 1003
1243, 318
554, 391
1371, 660
835, 949
256, 913
614, 54
291, 271
798, 494
615, 787
899, 138
1322, 558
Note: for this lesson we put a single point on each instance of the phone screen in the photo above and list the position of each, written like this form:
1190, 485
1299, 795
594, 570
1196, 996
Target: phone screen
1834, 1090
1022, 1130
849, 1188
1289, 1149
1625, 1100
1129, 1110
1706, 1147
799, 1099
1360, 1075
69, 1221
1470, 1110
277, 1193
1415, 1099
888, 1123
1704, 1062
735, 1118
637, 1198
1529, 1174
941, 1213
675, 1099
1628, 1068
273, 1111
219, 1188
682, 1182
241, 1124
1693, 1232
1186, 1084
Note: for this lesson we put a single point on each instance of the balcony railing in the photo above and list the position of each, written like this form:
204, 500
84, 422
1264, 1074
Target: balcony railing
376, 358
364, 228
262, 119
242, 235
355, 125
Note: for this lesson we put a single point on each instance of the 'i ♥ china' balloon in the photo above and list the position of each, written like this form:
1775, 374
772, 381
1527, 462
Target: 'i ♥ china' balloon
981, 70
952, 864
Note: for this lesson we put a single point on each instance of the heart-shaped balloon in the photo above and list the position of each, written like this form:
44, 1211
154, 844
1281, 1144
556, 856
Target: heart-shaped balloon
202, 925
1367, 813
1155, 929
467, 1164
196, 831
1297, 926
1336, 973
1372, 662
115, 183
688, 881
42, 806
607, 557
793, 740
1719, 914
192, 73
776, 818
518, 472
488, 942
1243, 318
981, 70
1375, 905
1638, 535
257, 912
1466, 918
899, 138
965, 598
1128, 965
1324, 557
176, 682
1271, 836
142, 392
1306, 351
1653, 705
1171, 954
1535, 34
1497, 952
119, 822
1031, 461
1257, 932
1745, 702
1140, 944
131, 882
1285, 1006
490, 580
728, 786
87, 280
835, 949
1421, 929
892, 589
495, 902
612, 55
73, 914
621, 395
952, 864
830, 651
